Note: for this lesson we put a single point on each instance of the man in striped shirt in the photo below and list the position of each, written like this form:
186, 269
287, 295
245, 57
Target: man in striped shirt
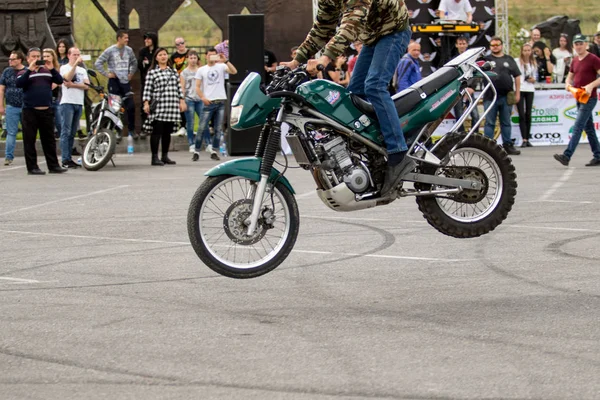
38, 115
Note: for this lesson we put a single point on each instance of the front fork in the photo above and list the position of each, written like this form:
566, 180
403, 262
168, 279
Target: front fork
268, 159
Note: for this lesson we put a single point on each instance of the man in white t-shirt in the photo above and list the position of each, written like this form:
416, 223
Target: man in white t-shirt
71, 103
210, 87
456, 10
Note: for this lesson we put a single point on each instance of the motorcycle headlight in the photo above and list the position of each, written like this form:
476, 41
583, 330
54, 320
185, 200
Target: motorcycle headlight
236, 112
114, 103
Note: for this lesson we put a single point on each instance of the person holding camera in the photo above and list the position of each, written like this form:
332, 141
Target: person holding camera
528, 67
38, 115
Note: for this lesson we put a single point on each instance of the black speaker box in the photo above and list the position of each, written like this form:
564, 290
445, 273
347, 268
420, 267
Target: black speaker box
246, 45
240, 143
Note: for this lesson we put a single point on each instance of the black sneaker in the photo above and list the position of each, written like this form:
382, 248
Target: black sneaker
529, 143
196, 156
75, 152
510, 149
595, 162
214, 156
561, 158
70, 164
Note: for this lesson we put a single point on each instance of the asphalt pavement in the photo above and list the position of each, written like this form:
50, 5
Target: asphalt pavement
102, 295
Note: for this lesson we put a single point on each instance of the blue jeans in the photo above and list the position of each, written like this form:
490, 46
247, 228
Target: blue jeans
194, 107
57, 116
13, 117
214, 112
71, 113
504, 109
584, 121
373, 72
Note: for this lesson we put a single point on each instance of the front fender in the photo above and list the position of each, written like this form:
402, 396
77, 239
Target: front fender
248, 168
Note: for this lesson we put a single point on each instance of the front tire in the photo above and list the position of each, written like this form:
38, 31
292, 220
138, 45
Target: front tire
217, 232
471, 213
99, 149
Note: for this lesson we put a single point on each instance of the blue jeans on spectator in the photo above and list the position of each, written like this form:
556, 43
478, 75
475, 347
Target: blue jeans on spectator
57, 116
214, 112
193, 107
116, 87
584, 121
13, 117
71, 113
371, 76
501, 107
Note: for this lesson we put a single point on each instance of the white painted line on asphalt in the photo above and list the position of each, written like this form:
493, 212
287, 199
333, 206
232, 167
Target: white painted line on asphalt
188, 244
383, 256
559, 201
19, 167
64, 199
18, 280
93, 237
566, 176
552, 228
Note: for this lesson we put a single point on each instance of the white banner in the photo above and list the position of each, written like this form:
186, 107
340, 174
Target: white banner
552, 119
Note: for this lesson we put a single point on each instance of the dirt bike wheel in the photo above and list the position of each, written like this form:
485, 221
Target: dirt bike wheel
217, 233
99, 150
457, 216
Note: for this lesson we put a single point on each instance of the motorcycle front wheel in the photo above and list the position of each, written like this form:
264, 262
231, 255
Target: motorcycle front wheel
218, 233
471, 213
99, 150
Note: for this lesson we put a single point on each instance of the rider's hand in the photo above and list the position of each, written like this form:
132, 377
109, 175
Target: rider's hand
182, 105
290, 64
311, 65
147, 107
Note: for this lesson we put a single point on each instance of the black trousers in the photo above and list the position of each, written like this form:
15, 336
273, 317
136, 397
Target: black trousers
43, 121
161, 130
524, 107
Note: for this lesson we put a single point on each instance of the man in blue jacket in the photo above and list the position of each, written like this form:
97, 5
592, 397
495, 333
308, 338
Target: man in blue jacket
408, 70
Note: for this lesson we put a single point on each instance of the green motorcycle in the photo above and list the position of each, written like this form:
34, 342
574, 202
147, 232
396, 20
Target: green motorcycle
243, 220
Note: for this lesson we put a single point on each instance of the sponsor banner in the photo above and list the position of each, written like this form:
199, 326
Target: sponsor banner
552, 119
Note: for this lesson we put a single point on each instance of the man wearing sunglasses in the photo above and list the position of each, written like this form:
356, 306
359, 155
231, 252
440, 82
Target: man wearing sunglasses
506, 70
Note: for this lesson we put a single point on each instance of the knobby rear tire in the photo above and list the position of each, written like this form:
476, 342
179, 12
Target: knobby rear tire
441, 221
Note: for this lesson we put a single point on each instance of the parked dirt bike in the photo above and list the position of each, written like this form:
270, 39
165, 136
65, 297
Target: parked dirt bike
243, 220
106, 127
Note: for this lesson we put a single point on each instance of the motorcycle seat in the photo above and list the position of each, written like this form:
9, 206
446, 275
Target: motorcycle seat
408, 99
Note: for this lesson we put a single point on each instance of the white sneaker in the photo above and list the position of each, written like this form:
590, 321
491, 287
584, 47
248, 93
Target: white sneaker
208, 148
192, 148
182, 132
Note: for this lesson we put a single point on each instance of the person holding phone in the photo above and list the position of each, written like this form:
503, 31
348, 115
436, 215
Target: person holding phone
38, 115
210, 88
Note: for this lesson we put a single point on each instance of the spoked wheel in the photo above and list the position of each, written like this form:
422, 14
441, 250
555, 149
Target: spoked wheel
471, 213
99, 150
217, 226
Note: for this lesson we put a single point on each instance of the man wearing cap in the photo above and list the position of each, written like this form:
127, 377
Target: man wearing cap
584, 72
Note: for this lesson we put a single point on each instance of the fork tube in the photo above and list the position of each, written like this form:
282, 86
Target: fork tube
266, 166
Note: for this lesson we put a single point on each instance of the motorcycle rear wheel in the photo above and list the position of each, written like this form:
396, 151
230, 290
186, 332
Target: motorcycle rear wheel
99, 150
472, 214
218, 235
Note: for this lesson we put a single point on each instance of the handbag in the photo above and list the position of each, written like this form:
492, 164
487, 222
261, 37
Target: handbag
511, 98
